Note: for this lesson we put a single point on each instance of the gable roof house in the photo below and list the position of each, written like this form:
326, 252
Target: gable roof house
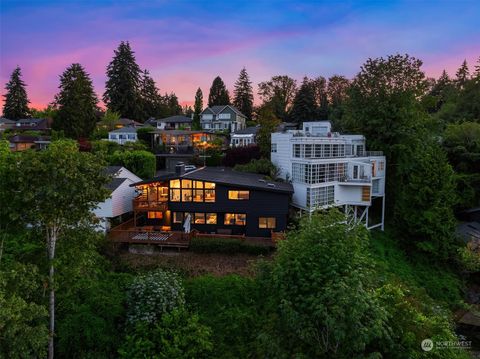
177, 122
123, 135
245, 137
6, 124
221, 118
121, 195
26, 142
33, 124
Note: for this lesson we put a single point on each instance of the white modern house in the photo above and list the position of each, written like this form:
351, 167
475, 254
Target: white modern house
328, 169
123, 135
222, 118
121, 196
245, 137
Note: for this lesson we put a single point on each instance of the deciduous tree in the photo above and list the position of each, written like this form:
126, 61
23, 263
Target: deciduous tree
279, 93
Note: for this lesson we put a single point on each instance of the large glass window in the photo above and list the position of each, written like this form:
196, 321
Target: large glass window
155, 215
211, 218
177, 217
238, 219
238, 195
199, 218
267, 222
319, 197
188, 191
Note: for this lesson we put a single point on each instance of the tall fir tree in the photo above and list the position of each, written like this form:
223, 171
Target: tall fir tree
122, 89
218, 95
243, 94
197, 108
16, 100
304, 104
149, 96
76, 103
462, 75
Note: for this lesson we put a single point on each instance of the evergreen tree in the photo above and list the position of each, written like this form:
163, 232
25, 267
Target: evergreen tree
174, 107
442, 90
123, 84
16, 100
304, 105
197, 108
218, 93
76, 103
243, 92
150, 97
462, 75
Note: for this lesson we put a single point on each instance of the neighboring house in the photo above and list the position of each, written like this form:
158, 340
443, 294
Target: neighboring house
33, 124
221, 118
328, 169
178, 122
25, 142
245, 137
121, 195
217, 200
6, 124
123, 135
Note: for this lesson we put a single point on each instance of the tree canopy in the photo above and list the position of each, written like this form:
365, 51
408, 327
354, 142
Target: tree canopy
243, 94
218, 95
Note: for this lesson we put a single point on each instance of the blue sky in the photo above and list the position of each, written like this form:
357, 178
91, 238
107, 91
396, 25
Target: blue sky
186, 44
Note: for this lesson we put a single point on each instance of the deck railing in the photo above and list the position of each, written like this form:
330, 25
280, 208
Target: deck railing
171, 239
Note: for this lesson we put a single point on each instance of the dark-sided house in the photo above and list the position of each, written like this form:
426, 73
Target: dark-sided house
33, 124
216, 200
24, 142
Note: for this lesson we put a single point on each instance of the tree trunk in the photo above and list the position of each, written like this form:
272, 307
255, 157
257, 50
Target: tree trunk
51, 242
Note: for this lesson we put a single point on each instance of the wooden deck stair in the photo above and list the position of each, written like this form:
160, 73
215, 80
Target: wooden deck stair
366, 193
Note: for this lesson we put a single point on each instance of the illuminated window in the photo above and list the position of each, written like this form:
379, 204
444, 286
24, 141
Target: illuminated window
267, 222
155, 215
175, 183
186, 195
209, 192
211, 218
238, 219
177, 217
175, 195
186, 183
199, 218
238, 195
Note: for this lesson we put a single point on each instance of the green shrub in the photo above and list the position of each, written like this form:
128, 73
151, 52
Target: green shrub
153, 294
142, 163
226, 246
232, 306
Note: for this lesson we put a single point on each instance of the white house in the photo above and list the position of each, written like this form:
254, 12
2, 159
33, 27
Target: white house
123, 135
328, 169
222, 118
121, 195
245, 137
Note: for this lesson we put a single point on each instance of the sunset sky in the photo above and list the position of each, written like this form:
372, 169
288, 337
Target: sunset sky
185, 44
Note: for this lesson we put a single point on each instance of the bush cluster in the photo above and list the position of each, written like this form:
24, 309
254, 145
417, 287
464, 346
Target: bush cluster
226, 246
152, 295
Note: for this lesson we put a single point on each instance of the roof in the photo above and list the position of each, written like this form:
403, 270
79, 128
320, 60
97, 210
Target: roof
127, 122
179, 132
31, 120
126, 129
112, 170
115, 183
469, 231
218, 109
227, 176
6, 120
175, 119
248, 131
27, 139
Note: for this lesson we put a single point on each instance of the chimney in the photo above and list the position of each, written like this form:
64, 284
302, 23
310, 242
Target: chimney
180, 169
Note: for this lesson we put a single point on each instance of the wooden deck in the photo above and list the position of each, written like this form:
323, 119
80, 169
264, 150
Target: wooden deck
127, 233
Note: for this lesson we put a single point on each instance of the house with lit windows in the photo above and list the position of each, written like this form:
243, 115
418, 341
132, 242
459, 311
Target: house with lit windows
222, 118
330, 169
212, 200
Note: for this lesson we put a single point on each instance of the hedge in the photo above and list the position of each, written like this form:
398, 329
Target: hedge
226, 246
